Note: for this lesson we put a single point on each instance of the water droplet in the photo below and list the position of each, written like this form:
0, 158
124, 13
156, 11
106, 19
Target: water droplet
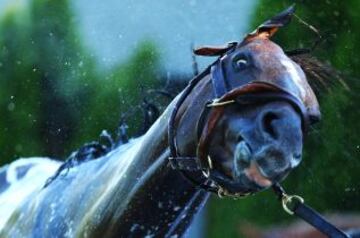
11, 106
349, 189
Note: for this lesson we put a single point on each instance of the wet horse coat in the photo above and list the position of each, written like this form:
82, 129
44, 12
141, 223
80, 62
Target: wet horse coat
114, 196
133, 192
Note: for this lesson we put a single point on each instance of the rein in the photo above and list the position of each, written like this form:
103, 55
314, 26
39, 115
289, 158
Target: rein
295, 205
213, 110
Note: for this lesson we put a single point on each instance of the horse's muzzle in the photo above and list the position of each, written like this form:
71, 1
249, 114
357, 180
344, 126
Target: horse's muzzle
271, 149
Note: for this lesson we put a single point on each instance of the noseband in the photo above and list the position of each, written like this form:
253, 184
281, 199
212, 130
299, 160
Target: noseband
253, 92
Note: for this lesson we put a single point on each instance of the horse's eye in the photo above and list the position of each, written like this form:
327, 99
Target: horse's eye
241, 63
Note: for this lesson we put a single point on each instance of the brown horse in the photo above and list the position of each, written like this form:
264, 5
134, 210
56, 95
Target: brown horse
236, 129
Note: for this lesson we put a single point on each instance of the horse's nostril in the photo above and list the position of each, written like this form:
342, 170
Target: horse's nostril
243, 152
239, 139
267, 123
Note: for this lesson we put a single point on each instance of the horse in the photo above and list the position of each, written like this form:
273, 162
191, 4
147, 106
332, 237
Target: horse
235, 130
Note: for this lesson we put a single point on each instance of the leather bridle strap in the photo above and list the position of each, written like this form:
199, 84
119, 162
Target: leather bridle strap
294, 205
218, 81
188, 163
181, 163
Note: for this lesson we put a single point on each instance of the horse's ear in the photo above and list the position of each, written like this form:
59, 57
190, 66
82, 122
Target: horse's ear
269, 27
214, 50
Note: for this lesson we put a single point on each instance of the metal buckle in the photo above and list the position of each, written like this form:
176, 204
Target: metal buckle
287, 199
216, 103
222, 192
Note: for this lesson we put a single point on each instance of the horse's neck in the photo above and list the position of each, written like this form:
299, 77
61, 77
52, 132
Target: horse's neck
153, 199
131, 192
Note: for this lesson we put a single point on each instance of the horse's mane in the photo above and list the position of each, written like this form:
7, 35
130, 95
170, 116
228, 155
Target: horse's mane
107, 142
321, 76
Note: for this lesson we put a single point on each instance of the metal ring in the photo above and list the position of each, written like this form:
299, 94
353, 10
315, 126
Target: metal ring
286, 199
220, 192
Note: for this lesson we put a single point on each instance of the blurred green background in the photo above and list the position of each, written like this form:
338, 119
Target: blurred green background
55, 98
328, 178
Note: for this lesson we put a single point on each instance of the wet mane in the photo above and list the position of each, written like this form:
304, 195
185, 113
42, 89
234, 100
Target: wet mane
107, 142
85, 153
321, 76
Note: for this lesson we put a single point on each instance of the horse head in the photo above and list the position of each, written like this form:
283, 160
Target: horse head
256, 106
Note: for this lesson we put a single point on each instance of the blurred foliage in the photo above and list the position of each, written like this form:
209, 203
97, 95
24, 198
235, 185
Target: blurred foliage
119, 92
53, 98
328, 177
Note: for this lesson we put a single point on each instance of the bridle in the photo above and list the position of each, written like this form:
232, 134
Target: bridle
210, 179
255, 91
